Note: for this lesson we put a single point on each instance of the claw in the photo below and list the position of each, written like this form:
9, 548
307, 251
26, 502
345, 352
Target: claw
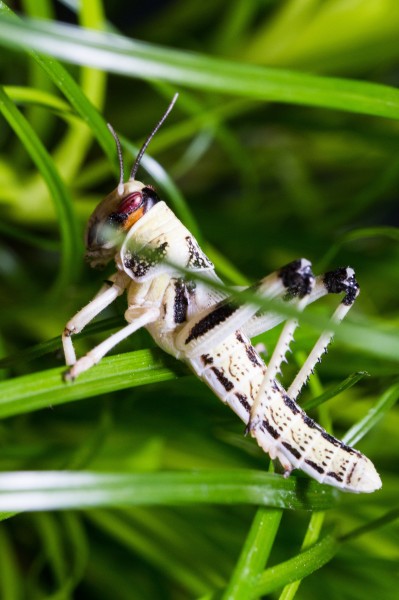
68, 376
287, 472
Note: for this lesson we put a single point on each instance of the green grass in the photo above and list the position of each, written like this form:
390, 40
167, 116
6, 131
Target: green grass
135, 481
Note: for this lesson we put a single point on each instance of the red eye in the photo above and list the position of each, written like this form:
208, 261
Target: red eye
130, 203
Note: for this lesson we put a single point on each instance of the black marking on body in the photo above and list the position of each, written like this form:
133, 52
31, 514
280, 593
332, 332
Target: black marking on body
314, 466
181, 301
328, 437
226, 383
297, 279
338, 281
338, 443
291, 405
253, 357
117, 218
207, 323
149, 194
243, 400
141, 263
250, 351
350, 474
196, 258
273, 432
239, 338
292, 450
334, 476
206, 359
310, 423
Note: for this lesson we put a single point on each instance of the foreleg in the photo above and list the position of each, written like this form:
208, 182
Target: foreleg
107, 294
140, 317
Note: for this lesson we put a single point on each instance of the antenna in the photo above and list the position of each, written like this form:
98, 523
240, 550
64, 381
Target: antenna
120, 157
148, 140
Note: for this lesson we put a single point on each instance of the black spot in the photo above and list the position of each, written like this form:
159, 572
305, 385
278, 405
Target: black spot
338, 443
338, 281
226, 383
141, 263
181, 302
273, 432
294, 408
297, 279
244, 401
309, 422
251, 353
334, 476
250, 350
292, 450
150, 197
196, 258
314, 466
218, 315
207, 359
331, 439
117, 218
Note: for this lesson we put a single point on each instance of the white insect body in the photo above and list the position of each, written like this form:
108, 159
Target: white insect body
210, 332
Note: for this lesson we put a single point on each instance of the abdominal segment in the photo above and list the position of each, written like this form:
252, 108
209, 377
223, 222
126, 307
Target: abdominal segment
234, 371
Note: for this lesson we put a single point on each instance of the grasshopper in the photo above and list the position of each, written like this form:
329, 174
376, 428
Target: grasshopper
211, 331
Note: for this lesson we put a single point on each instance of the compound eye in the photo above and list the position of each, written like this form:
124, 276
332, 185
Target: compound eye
131, 203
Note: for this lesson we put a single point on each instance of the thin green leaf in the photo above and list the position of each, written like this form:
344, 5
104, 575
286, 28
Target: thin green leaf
296, 568
312, 534
10, 579
71, 90
386, 519
58, 192
148, 540
50, 490
83, 107
42, 390
118, 54
254, 553
51, 537
29, 95
374, 415
341, 387
391, 233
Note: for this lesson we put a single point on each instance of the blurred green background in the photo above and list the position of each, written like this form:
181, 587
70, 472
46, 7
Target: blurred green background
265, 163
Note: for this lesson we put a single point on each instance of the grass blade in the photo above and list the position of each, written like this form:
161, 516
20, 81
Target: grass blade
44, 389
59, 194
374, 415
119, 54
50, 490
298, 567
328, 394
254, 553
